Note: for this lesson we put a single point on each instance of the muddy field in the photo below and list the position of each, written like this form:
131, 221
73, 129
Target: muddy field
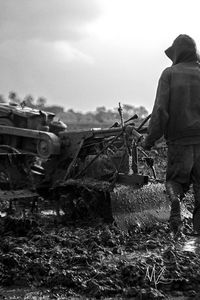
41, 258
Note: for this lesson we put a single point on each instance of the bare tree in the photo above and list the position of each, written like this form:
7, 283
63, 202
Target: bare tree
29, 100
13, 97
41, 102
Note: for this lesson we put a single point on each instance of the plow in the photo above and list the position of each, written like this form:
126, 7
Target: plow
81, 213
83, 174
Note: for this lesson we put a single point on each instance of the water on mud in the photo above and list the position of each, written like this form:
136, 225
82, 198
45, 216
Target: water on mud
192, 245
48, 212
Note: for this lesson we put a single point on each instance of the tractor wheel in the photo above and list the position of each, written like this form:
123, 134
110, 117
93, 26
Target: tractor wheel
5, 172
8, 139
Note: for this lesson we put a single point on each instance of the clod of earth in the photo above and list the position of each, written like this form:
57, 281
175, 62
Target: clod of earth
96, 260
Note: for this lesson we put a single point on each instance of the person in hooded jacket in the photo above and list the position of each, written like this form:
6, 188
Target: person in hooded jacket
176, 115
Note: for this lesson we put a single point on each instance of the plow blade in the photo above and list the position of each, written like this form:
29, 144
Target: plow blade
131, 180
128, 206
144, 206
139, 206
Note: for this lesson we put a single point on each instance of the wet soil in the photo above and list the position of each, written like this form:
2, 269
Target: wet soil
43, 258
40, 257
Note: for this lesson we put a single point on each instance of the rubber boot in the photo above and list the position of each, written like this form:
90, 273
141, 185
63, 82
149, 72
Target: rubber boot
175, 213
196, 218
175, 216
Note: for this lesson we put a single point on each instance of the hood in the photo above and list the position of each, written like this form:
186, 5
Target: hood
183, 49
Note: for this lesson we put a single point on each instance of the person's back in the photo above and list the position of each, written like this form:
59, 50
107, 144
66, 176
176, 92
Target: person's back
176, 112
184, 103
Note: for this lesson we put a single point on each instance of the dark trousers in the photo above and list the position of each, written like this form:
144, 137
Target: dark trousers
183, 169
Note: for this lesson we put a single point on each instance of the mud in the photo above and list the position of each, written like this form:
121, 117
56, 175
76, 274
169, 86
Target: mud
42, 258
38, 257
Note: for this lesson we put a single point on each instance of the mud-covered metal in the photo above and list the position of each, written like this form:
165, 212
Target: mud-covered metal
77, 170
17, 183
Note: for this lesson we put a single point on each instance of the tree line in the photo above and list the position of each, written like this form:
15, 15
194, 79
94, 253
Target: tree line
101, 117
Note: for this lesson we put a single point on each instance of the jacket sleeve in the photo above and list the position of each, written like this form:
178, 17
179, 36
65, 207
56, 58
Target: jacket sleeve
160, 115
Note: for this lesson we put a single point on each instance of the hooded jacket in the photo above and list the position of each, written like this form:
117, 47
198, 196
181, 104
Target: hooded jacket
176, 111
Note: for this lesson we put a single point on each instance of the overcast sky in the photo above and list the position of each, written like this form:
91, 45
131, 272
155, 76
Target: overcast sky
82, 54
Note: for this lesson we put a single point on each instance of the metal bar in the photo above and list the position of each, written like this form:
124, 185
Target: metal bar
133, 179
143, 122
74, 160
134, 158
106, 147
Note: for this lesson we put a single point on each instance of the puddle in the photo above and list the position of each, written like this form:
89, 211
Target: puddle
192, 245
51, 212
48, 212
